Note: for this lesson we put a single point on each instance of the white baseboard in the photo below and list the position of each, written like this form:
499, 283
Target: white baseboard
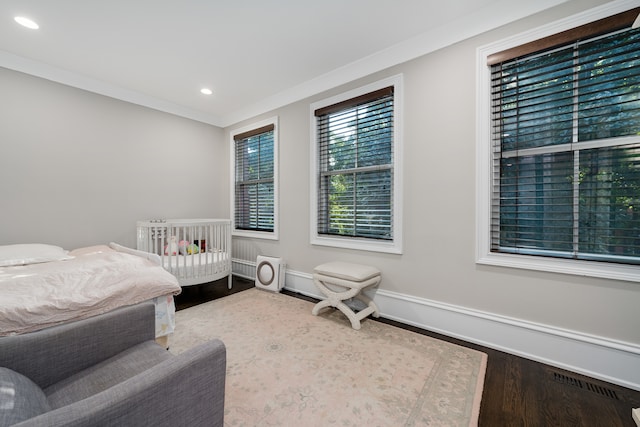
602, 358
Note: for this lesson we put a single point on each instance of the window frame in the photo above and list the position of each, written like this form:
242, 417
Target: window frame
484, 168
260, 234
393, 246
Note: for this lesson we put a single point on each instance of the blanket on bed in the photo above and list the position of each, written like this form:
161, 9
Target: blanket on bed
96, 280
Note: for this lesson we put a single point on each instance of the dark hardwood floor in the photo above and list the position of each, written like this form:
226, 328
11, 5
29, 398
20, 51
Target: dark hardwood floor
517, 391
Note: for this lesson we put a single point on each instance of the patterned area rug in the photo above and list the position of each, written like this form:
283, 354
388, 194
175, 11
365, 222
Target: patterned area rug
286, 367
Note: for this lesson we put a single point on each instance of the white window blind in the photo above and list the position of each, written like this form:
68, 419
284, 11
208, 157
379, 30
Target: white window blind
355, 167
254, 179
566, 145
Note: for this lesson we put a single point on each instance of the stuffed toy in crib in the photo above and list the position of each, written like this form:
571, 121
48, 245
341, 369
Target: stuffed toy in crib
183, 247
171, 247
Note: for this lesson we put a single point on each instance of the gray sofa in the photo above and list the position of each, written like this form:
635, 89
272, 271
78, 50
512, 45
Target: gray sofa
109, 371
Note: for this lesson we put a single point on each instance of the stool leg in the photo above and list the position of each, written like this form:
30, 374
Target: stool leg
319, 306
335, 299
353, 317
369, 302
330, 301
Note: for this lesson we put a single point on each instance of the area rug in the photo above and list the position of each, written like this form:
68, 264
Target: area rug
286, 367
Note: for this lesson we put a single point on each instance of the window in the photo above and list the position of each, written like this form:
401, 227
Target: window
356, 157
255, 180
565, 148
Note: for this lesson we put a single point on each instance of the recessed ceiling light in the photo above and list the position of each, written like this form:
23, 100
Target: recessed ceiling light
206, 91
26, 22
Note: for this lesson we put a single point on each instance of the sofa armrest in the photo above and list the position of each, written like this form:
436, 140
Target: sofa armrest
187, 389
52, 354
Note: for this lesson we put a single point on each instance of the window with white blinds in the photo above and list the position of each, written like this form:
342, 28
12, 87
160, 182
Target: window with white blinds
566, 145
255, 180
355, 167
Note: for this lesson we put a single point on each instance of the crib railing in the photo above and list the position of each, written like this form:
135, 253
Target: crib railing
194, 250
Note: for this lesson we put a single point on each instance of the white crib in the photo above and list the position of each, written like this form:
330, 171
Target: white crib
194, 250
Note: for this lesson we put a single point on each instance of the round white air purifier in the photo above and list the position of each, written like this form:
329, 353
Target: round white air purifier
270, 273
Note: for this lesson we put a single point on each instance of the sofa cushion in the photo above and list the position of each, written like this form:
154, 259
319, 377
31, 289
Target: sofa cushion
20, 398
106, 374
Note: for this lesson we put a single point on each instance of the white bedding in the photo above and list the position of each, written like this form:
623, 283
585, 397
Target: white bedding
96, 280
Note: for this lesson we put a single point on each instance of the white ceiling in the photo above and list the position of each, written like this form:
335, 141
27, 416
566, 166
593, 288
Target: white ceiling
255, 55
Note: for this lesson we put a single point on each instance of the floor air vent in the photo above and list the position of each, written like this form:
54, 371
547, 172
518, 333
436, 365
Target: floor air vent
594, 388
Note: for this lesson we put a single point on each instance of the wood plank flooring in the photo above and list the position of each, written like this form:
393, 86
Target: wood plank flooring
517, 391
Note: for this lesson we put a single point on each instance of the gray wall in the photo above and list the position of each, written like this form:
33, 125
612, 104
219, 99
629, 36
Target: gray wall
439, 206
79, 169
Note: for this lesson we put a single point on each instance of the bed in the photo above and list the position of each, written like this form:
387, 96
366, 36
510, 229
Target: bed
195, 251
45, 285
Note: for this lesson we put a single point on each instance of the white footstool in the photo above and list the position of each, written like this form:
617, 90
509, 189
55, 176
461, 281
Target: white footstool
350, 279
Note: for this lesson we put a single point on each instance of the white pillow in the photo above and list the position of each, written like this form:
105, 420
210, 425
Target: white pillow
31, 253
